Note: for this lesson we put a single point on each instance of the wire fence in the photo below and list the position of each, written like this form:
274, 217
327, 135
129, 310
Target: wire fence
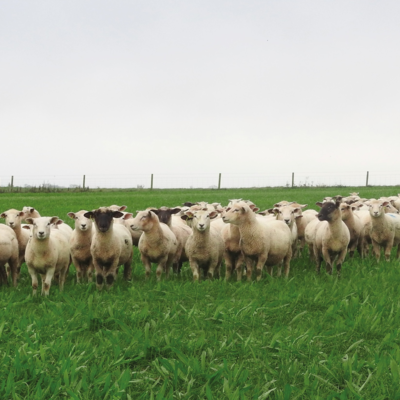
192, 181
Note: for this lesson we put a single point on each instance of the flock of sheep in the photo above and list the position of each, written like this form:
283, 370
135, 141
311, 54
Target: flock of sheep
201, 233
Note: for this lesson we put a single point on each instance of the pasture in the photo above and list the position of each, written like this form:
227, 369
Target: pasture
306, 337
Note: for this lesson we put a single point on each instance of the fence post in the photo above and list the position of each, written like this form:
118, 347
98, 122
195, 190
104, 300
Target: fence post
366, 183
83, 183
12, 183
292, 179
219, 181
151, 184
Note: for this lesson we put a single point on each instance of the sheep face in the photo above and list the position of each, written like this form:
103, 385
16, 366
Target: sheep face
103, 217
41, 227
81, 222
201, 219
377, 207
13, 217
143, 221
287, 214
329, 211
233, 214
165, 213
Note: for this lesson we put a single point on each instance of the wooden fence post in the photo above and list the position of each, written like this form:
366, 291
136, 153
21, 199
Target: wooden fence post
151, 184
292, 179
12, 183
219, 181
366, 183
84, 181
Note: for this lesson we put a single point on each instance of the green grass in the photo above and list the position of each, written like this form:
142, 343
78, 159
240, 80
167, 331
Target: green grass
307, 337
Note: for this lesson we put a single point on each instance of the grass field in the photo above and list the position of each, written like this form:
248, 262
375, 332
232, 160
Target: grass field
306, 337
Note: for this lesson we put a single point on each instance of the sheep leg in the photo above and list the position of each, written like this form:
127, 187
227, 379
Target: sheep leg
47, 282
90, 271
3, 275
34, 278
147, 265
340, 261
162, 266
239, 265
79, 272
318, 260
388, 250
377, 250
212, 267
286, 264
249, 268
14, 271
398, 251
63, 276
228, 265
111, 277
328, 260
360, 247
194, 266
260, 265
99, 275
128, 270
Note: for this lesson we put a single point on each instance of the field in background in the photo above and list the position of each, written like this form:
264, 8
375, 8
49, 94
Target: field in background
307, 337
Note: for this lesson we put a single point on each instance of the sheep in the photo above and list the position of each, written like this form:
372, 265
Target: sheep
13, 220
79, 245
268, 243
384, 230
9, 254
157, 244
111, 247
30, 212
288, 215
180, 230
47, 253
63, 228
233, 255
204, 247
126, 220
332, 237
356, 229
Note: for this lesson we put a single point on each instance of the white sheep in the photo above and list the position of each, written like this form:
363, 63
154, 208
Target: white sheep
30, 212
9, 254
204, 247
157, 243
111, 247
332, 237
356, 229
384, 230
13, 220
79, 245
181, 231
269, 243
47, 253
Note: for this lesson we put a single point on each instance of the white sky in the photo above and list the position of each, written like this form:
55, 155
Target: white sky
200, 86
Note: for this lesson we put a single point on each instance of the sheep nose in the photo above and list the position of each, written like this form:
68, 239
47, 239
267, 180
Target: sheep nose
41, 233
11, 223
83, 225
287, 221
201, 225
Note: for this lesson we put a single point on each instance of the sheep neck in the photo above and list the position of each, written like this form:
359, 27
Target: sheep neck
155, 233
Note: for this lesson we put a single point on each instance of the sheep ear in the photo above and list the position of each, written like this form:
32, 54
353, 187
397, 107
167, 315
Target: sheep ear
277, 205
189, 214
123, 208
319, 204
175, 210
21, 214
155, 210
71, 215
59, 222
26, 227
303, 205
53, 220
184, 217
127, 216
117, 214
3, 215
385, 203
29, 220
213, 214
89, 215
255, 209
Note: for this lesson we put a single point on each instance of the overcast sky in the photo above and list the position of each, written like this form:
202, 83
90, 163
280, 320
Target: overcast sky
93, 87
